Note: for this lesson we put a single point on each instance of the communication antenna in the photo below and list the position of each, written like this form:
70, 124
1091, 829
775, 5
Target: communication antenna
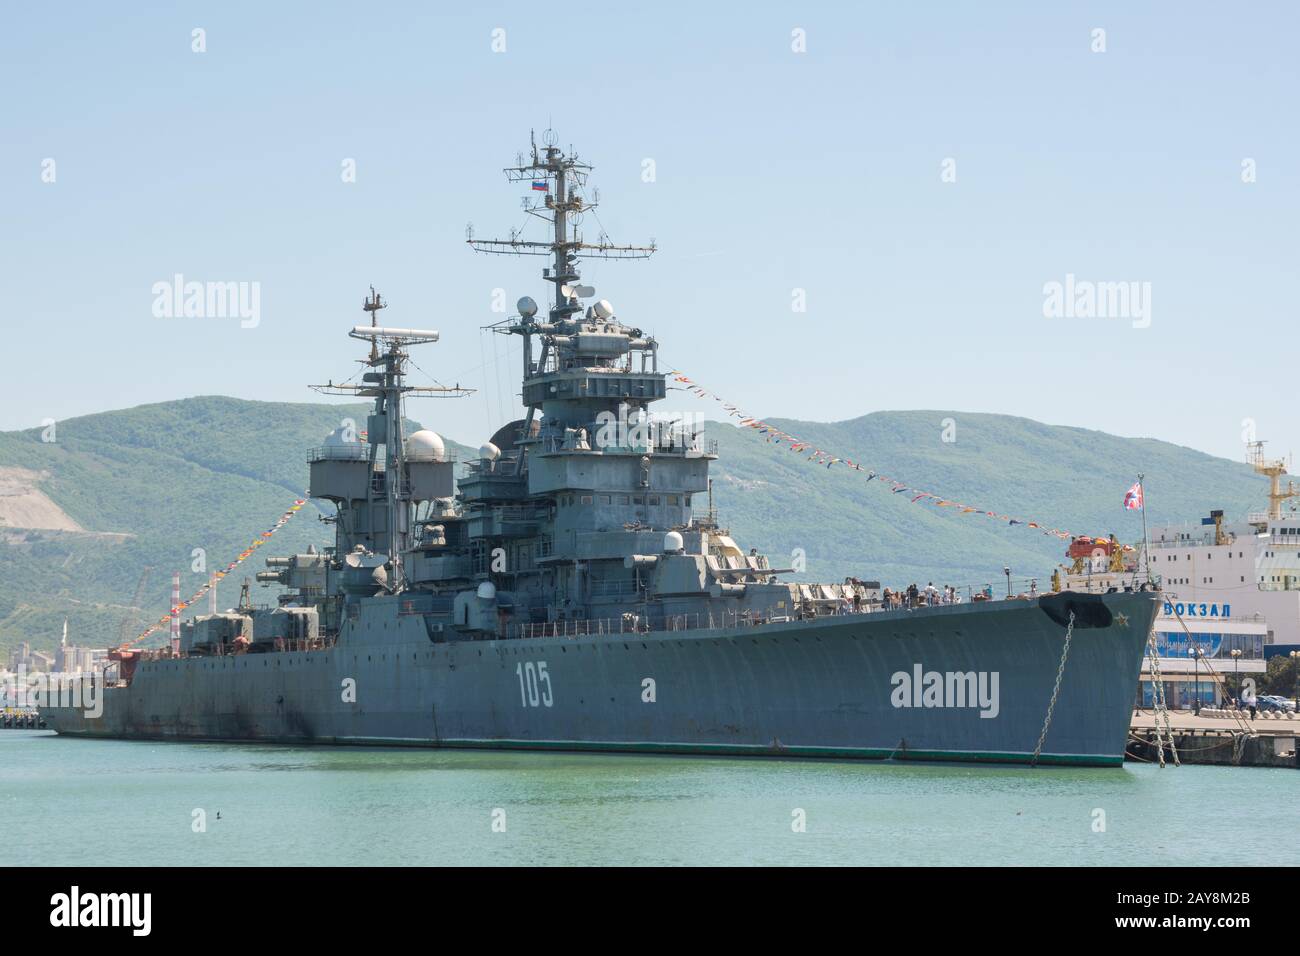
560, 176
373, 305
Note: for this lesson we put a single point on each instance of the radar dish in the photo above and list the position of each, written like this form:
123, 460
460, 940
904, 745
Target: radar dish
584, 291
400, 336
550, 138
566, 291
527, 307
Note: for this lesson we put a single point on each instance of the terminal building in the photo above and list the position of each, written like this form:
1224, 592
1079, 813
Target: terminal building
1232, 595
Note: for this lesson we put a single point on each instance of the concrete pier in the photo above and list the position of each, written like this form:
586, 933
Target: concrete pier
1219, 738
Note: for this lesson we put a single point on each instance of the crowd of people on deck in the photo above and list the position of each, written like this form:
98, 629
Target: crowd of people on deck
929, 596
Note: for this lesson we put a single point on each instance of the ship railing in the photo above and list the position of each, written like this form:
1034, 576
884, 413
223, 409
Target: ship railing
230, 649
705, 518
353, 451
1021, 589
1199, 541
502, 467
698, 621
519, 513
945, 594
1262, 517
612, 588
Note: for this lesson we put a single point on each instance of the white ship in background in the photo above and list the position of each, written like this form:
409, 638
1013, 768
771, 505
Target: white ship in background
1232, 591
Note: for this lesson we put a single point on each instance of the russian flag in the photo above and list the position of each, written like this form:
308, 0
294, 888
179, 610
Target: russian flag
540, 186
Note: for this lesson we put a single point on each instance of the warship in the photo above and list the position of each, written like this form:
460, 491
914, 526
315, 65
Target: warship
573, 589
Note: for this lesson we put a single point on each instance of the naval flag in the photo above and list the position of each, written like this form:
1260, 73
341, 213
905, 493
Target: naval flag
1133, 497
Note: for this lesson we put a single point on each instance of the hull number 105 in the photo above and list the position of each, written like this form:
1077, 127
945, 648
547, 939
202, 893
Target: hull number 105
534, 684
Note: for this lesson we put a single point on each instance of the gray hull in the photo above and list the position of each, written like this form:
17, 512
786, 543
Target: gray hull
832, 687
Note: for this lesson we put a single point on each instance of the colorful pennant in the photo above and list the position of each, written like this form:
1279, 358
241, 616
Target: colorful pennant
256, 543
818, 456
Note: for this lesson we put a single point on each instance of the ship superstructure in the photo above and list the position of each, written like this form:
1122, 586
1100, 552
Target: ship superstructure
569, 592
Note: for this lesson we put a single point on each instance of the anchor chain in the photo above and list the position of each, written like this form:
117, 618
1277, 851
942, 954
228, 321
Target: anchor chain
1056, 690
1163, 729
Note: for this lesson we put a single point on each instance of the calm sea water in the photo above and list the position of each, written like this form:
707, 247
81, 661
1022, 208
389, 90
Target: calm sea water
68, 801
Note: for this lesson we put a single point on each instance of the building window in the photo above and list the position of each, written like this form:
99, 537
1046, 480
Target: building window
586, 499
605, 499
654, 499
672, 499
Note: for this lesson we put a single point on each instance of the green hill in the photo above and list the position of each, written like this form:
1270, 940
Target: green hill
1068, 478
148, 485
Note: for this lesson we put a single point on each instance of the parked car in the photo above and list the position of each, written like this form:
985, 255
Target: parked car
1275, 704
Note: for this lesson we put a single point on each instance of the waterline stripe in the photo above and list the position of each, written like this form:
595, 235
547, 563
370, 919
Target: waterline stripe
613, 746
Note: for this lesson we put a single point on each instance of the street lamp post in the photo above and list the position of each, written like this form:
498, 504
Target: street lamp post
1196, 681
1007, 572
1295, 667
1236, 669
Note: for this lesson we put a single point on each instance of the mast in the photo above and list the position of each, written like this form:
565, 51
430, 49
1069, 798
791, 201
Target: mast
563, 179
1146, 542
373, 305
386, 384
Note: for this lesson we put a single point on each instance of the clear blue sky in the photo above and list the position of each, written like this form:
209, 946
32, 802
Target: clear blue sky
775, 170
